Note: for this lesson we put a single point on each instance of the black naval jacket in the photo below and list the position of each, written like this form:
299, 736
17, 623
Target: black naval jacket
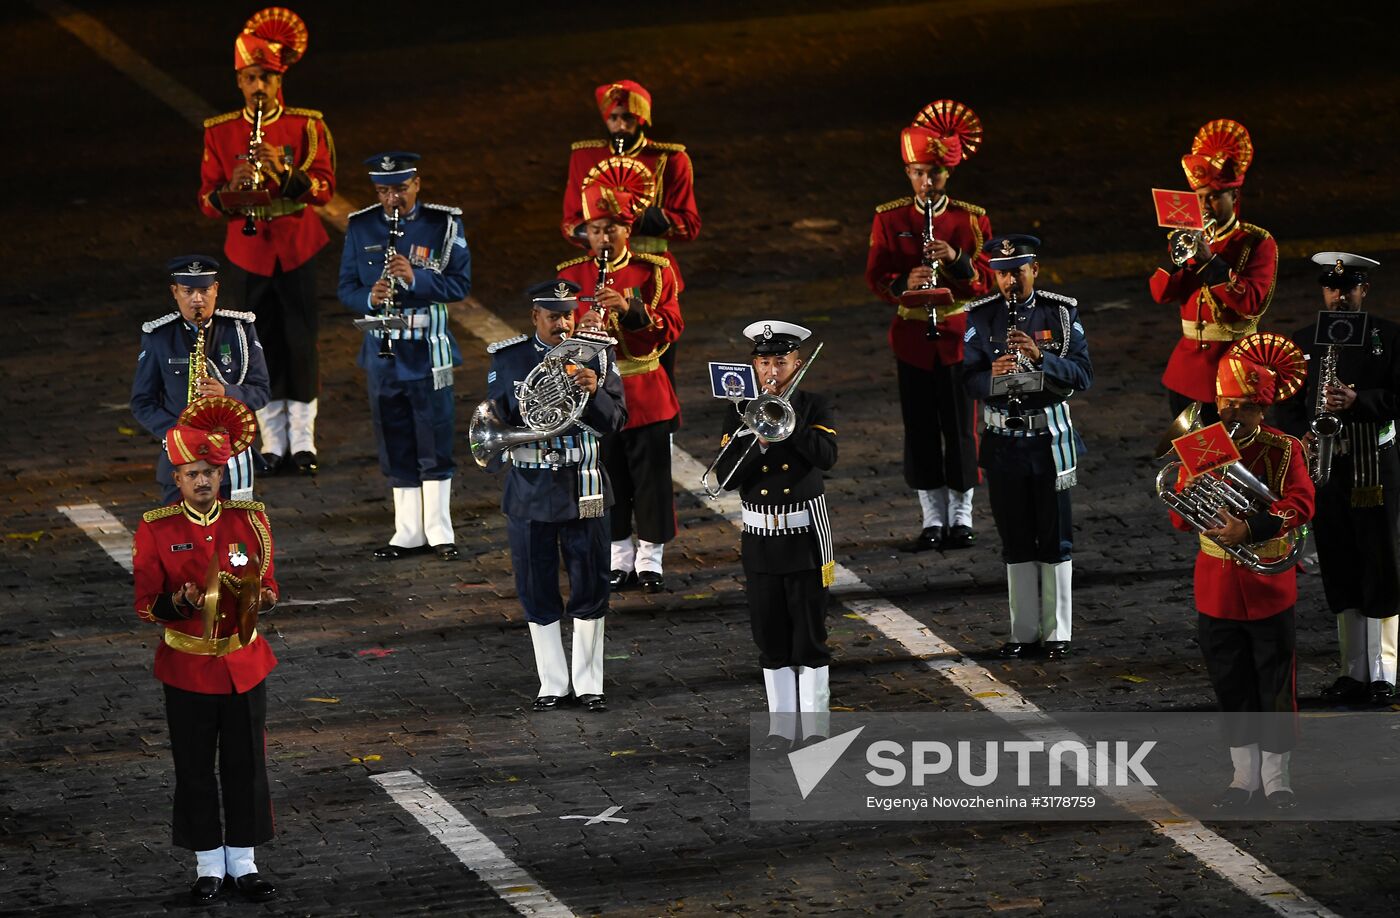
787, 477
1374, 376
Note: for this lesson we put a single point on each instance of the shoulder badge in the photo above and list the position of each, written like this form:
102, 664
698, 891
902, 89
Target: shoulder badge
363, 210
306, 113
587, 144
505, 343
896, 203
666, 147
983, 301
970, 208
220, 119
246, 505
574, 261
660, 261
166, 319
1057, 297
235, 314
161, 513
445, 208
1258, 232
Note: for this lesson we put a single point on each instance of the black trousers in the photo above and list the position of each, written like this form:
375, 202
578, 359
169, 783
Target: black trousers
1252, 667
287, 323
1358, 548
535, 550
940, 447
230, 727
638, 462
1033, 519
788, 614
1176, 403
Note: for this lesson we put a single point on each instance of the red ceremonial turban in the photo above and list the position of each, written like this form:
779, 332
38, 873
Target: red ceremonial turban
619, 187
944, 133
213, 428
273, 39
631, 95
1219, 157
1263, 367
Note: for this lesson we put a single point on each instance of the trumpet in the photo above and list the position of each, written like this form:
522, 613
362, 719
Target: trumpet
770, 417
1185, 244
386, 344
255, 139
1326, 427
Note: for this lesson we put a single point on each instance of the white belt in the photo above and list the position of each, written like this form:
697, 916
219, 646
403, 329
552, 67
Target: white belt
776, 522
529, 455
417, 319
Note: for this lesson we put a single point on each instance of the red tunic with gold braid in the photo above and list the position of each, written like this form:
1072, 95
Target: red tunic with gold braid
675, 194
173, 547
641, 340
1221, 302
1224, 588
896, 248
289, 231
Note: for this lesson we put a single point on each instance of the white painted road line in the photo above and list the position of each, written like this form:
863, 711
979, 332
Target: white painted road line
104, 529
478, 853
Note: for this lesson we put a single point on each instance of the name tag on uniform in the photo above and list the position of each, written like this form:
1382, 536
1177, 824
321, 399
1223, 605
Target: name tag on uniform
180, 360
374, 248
904, 235
183, 546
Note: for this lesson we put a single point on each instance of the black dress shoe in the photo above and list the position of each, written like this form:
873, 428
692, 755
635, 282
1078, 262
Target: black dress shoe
269, 463
1056, 650
959, 537
547, 702
1281, 800
1235, 799
206, 890
1382, 692
930, 538
593, 702
447, 552
395, 552
651, 581
254, 888
1012, 651
621, 580
1346, 690
305, 461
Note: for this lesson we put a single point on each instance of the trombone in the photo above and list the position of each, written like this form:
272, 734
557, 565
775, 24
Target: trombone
769, 416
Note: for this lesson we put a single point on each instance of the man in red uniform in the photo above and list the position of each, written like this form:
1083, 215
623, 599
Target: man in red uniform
940, 448
673, 215
1245, 625
1226, 286
273, 242
189, 559
637, 299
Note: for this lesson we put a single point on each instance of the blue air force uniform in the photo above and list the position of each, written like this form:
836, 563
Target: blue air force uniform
233, 354
556, 501
411, 395
1030, 450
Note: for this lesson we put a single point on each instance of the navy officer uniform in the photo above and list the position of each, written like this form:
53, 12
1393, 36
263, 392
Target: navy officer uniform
233, 357
556, 500
410, 377
1030, 448
786, 544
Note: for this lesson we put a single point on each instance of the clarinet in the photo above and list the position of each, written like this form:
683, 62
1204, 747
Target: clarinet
932, 333
1015, 418
386, 308
255, 139
604, 258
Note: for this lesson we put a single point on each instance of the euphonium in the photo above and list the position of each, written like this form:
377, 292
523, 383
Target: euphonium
1326, 427
1183, 242
255, 139
198, 366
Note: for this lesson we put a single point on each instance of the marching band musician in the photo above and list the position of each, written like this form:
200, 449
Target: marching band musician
234, 366
637, 301
213, 671
1226, 286
1245, 623
296, 162
555, 501
410, 374
1030, 448
786, 542
1358, 503
940, 446
673, 215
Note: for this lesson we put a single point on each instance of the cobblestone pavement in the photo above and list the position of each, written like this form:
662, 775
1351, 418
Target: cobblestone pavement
426, 666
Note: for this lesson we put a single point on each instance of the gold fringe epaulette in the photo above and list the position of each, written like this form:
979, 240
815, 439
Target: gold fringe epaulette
1258, 232
588, 144
891, 205
305, 113
970, 208
660, 261
161, 513
572, 261
220, 119
257, 505
666, 147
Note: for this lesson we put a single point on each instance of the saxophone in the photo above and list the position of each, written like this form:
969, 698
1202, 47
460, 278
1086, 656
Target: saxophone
1326, 427
197, 367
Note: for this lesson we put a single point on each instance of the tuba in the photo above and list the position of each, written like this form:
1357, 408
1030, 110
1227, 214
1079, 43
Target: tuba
550, 401
769, 416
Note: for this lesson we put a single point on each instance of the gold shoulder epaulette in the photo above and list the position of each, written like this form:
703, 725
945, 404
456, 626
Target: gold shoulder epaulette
1268, 438
306, 113
572, 261
666, 147
588, 144
970, 208
161, 513
1258, 232
246, 505
660, 261
220, 119
891, 205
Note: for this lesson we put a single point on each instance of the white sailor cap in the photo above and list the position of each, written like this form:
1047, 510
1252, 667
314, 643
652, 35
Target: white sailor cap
1344, 270
775, 337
